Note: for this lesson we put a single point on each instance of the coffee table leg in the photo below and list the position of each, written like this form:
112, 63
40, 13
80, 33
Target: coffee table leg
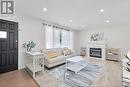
65, 71
66, 64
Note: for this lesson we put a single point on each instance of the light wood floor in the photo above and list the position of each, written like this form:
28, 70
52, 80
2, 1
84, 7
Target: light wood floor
18, 78
110, 76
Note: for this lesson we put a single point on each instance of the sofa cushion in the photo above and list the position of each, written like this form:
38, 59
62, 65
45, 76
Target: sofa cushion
57, 59
58, 50
66, 51
52, 54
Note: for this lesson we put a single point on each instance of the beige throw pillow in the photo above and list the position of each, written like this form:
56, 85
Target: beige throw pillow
66, 51
52, 54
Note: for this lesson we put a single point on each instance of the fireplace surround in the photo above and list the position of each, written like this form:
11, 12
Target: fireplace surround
96, 50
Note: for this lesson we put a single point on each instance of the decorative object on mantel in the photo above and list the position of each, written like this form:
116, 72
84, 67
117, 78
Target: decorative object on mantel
28, 46
113, 54
97, 37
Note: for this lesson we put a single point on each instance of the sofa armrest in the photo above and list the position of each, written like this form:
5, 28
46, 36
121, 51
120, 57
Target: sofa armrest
46, 59
45, 56
73, 52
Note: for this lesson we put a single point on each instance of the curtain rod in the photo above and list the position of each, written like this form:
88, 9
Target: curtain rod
57, 26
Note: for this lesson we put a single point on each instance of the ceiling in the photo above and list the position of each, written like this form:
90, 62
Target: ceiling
83, 13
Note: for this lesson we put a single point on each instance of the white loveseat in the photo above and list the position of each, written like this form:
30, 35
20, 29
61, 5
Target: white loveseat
59, 59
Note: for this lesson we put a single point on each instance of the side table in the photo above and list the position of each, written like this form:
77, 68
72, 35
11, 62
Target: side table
34, 62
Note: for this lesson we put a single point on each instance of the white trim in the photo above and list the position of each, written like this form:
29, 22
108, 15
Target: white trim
95, 45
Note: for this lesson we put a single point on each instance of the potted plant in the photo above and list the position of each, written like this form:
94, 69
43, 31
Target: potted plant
28, 46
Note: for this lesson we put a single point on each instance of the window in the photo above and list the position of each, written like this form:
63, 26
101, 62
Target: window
57, 38
3, 34
65, 38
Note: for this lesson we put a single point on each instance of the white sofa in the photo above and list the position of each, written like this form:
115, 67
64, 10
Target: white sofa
60, 59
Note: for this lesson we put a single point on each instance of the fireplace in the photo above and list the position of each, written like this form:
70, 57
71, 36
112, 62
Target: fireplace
95, 52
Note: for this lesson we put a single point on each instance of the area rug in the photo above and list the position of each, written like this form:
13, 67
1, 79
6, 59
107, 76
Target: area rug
83, 78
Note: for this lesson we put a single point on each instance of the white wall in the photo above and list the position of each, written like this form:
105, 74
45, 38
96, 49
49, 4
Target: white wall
75, 43
117, 37
30, 29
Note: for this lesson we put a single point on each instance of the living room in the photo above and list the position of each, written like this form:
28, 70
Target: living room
70, 32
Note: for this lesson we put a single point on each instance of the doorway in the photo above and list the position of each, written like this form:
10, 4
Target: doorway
8, 46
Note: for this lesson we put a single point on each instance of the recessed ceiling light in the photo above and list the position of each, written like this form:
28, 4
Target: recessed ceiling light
70, 21
107, 21
101, 10
45, 9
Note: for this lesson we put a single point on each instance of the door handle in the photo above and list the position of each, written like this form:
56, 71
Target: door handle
16, 44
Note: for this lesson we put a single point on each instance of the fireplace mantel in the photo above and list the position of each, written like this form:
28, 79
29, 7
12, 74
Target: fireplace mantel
97, 45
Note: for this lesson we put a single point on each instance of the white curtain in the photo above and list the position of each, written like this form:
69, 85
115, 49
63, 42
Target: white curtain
49, 36
57, 38
71, 40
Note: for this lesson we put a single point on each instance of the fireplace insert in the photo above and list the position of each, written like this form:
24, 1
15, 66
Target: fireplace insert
96, 52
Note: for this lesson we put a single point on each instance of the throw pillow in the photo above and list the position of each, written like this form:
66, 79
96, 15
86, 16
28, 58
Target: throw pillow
66, 51
52, 54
